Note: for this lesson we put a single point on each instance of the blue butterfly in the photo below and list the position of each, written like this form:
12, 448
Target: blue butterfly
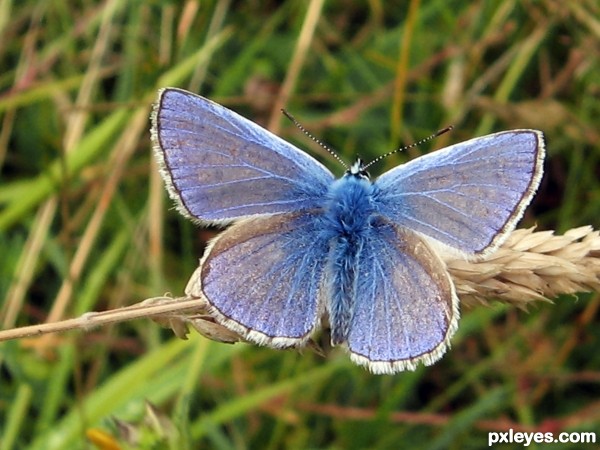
303, 245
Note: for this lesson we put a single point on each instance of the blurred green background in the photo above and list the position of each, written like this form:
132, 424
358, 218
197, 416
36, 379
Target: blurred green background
85, 224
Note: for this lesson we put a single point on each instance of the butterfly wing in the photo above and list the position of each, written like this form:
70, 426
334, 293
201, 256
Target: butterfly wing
405, 308
262, 278
219, 166
468, 196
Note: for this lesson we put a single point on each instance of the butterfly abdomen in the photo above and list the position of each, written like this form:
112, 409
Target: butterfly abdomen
348, 216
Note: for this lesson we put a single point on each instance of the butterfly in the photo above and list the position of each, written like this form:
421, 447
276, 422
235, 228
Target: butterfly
303, 245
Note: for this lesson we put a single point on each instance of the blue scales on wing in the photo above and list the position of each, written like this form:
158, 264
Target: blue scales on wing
207, 152
404, 306
262, 278
468, 196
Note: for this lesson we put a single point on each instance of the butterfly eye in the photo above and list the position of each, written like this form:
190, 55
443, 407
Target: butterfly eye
358, 170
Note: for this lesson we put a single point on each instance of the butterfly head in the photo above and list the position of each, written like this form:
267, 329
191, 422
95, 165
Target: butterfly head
358, 170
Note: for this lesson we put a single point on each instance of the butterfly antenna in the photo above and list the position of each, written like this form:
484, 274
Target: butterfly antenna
307, 133
414, 144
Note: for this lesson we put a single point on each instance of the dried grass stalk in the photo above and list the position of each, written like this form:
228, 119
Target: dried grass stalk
531, 266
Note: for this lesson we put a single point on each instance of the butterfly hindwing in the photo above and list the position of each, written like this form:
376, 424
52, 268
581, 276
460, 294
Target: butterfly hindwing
405, 309
262, 278
468, 196
219, 166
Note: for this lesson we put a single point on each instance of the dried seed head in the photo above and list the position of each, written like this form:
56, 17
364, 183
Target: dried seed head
531, 266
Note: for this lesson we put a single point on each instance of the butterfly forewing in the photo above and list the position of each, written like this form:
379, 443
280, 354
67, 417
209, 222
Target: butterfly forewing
468, 196
219, 166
